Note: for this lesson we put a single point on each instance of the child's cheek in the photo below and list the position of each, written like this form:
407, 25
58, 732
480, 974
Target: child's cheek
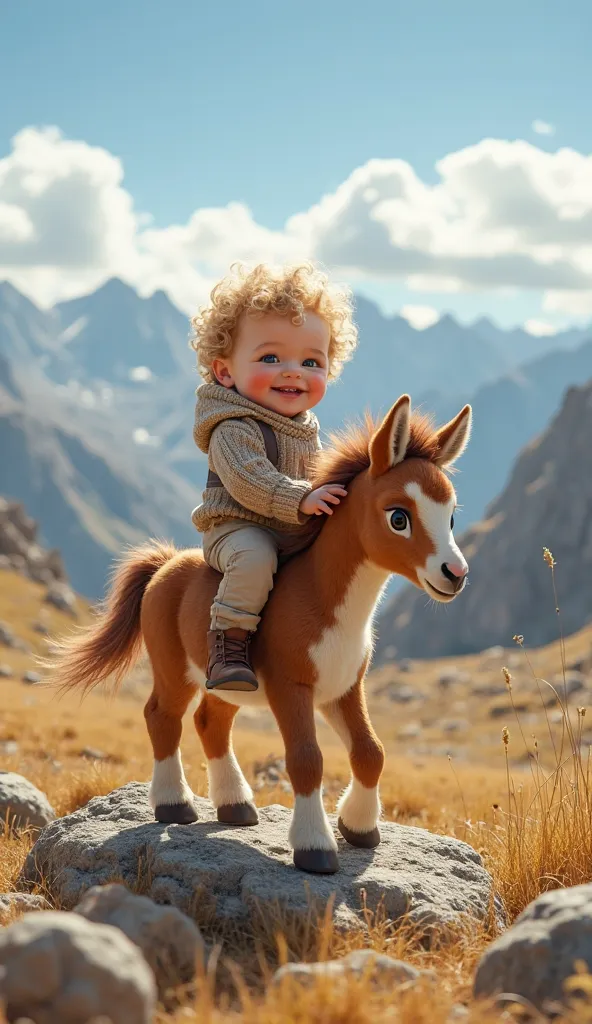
316, 388
259, 381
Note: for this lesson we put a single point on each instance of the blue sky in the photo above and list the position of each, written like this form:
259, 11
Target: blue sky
274, 105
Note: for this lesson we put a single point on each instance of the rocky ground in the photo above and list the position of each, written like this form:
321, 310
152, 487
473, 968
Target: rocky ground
241, 909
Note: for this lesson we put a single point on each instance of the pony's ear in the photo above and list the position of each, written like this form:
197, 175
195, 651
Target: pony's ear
389, 444
454, 437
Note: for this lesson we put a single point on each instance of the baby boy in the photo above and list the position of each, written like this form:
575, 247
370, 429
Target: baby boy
267, 345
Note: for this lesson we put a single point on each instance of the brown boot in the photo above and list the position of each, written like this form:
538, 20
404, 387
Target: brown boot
229, 664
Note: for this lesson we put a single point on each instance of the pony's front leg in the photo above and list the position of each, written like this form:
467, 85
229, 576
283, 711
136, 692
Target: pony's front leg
359, 805
228, 789
311, 836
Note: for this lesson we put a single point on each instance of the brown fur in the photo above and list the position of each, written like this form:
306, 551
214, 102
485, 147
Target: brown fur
178, 589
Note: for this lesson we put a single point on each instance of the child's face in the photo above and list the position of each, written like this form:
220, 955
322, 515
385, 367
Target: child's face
277, 364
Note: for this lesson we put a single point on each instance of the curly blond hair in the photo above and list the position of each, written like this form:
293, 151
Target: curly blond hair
286, 291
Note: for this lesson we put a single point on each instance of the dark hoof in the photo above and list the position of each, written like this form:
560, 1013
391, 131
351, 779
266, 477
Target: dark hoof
365, 840
238, 814
318, 862
175, 814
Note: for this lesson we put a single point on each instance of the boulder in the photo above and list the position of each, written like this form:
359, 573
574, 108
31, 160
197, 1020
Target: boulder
31, 677
215, 872
24, 804
60, 967
538, 953
62, 597
381, 970
20, 902
170, 942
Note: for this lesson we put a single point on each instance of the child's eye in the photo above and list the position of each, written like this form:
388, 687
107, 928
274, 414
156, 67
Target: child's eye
270, 358
311, 362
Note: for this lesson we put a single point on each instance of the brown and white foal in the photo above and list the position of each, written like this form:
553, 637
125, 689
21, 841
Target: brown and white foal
314, 643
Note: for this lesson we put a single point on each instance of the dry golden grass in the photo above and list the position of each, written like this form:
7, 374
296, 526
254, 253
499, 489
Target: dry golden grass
525, 805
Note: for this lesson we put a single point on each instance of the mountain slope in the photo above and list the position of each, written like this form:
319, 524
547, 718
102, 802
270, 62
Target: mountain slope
92, 491
547, 502
507, 414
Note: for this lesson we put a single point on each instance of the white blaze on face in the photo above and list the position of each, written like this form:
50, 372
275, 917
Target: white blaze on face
435, 518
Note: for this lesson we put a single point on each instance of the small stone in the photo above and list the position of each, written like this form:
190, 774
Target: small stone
170, 942
383, 971
31, 677
488, 689
6, 671
458, 1012
409, 731
23, 804
9, 747
573, 683
405, 665
62, 597
401, 693
493, 653
94, 754
499, 710
40, 627
454, 725
7, 637
452, 677
21, 902
59, 967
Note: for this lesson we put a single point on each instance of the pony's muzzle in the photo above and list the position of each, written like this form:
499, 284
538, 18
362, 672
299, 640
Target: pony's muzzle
456, 574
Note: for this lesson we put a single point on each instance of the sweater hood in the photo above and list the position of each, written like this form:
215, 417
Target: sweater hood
216, 403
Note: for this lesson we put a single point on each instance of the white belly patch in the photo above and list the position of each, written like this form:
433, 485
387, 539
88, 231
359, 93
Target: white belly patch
340, 652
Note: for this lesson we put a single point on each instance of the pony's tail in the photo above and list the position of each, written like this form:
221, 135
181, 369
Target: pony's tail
112, 644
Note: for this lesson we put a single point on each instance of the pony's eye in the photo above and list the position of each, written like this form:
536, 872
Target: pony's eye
452, 522
399, 521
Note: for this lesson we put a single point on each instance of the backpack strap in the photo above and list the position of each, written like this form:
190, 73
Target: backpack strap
271, 450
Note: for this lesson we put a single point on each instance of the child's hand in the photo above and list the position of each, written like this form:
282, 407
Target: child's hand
320, 500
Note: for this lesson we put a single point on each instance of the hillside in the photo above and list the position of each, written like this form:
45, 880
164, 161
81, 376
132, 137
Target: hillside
507, 414
547, 502
92, 489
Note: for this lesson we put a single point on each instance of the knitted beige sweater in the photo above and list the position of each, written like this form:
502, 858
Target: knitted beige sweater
254, 490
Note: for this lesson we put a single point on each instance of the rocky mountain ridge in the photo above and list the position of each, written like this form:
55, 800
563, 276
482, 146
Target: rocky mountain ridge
547, 502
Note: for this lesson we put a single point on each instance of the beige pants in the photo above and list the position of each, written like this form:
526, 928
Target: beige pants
248, 556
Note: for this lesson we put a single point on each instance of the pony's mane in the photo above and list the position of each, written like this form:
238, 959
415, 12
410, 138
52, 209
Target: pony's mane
348, 452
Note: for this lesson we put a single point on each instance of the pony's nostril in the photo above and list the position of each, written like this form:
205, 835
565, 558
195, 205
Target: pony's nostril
454, 572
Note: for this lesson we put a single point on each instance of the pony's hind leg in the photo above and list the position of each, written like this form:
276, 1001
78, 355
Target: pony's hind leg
359, 805
311, 835
229, 791
170, 794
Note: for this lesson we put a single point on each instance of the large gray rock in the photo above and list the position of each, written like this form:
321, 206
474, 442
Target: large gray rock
24, 804
536, 955
60, 967
208, 869
169, 941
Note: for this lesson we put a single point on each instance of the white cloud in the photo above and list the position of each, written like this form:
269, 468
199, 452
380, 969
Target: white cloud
420, 317
577, 305
543, 127
539, 328
501, 216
